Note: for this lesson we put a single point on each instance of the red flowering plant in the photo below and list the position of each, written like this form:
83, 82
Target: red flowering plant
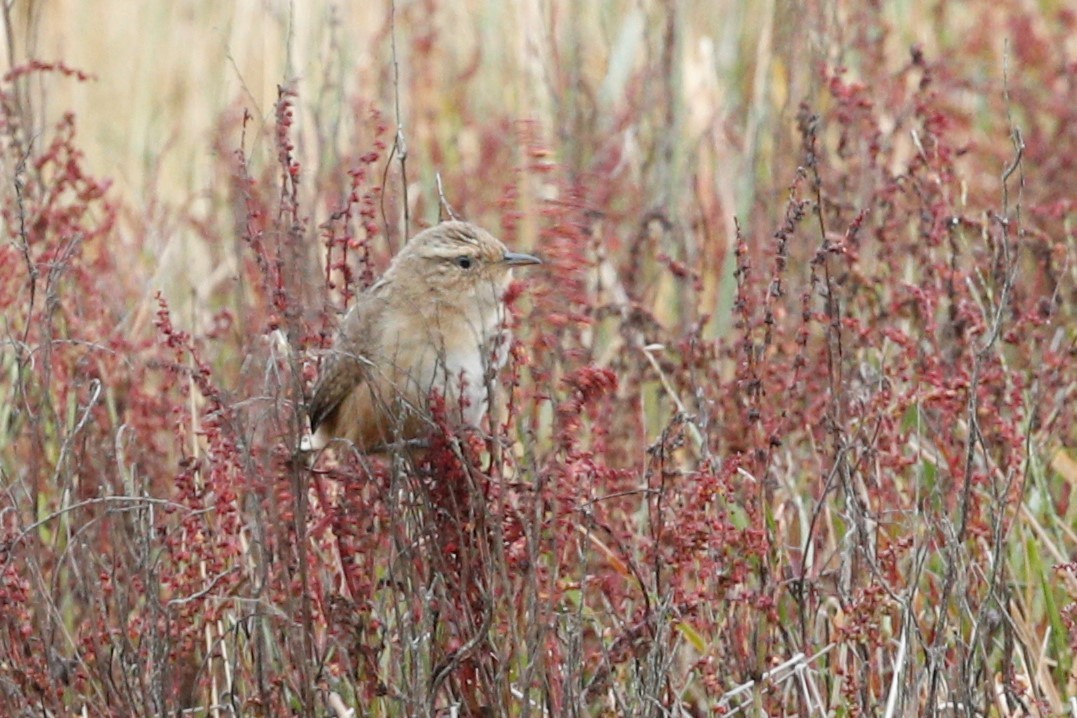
796, 443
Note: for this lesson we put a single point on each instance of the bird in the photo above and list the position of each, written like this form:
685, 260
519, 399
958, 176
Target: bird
433, 324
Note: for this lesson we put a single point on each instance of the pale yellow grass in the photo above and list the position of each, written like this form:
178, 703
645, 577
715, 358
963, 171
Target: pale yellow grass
166, 71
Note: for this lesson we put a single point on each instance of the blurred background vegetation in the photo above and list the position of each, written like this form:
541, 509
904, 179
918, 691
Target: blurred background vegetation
697, 97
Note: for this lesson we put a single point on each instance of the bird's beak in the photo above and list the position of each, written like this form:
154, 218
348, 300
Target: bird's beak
517, 259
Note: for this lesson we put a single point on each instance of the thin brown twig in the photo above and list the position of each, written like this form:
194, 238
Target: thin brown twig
399, 149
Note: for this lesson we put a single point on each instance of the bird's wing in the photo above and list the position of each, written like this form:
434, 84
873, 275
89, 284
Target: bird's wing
347, 364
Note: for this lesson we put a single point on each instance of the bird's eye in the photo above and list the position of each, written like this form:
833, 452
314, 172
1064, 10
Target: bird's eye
464, 262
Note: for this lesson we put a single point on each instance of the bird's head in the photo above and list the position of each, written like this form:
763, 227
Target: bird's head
456, 261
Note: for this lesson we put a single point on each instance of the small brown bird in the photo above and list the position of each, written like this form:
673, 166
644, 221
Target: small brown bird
433, 324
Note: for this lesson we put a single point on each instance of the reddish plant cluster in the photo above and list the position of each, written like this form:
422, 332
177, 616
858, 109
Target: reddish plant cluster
670, 502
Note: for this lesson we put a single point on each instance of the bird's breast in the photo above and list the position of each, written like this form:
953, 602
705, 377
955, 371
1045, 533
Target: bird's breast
449, 354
